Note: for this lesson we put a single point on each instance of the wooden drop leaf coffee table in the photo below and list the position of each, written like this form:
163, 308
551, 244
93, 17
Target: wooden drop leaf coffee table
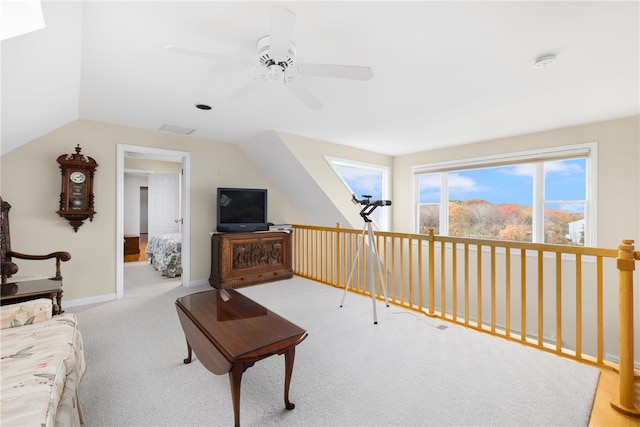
230, 333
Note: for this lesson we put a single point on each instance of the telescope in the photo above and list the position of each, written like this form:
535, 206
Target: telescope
366, 201
369, 205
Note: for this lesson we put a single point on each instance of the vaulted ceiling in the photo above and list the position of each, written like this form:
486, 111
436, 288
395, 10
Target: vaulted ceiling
445, 73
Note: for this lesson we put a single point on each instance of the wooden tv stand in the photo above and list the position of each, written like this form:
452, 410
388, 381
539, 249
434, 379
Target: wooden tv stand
243, 259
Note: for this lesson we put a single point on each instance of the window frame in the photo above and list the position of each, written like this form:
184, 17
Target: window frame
385, 216
588, 151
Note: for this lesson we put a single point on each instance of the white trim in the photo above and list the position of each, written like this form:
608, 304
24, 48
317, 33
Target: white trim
537, 204
141, 151
591, 207
386, 182
90, 300
197, 283
588, 148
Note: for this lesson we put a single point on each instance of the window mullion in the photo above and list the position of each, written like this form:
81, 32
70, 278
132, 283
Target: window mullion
444, 204
538, 204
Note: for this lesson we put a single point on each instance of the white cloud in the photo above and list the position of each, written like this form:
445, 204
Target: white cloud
562, 167
361, 180
463, 183
519, 170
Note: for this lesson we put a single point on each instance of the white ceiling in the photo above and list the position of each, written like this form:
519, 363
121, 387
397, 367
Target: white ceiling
445, 73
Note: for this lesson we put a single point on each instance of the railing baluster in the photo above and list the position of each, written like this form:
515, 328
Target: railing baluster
479, 284
507, 257
579, 306
493, 288
432, 273
411, 264
420, 275
454, 280
393, 268
523, 294
443, 279
540, 298
599, 311
402, 281
558, 301
466, 283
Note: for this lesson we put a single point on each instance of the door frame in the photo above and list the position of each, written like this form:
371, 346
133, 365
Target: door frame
183, 157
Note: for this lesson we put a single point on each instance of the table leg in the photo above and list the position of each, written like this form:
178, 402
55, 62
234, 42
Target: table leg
189, 353
59, 300
235, 376
289, 357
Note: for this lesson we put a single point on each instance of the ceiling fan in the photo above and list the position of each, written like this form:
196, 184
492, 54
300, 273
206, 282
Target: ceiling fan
276, 53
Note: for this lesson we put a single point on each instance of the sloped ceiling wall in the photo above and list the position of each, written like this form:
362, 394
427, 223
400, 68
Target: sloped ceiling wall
42, 78
274, 159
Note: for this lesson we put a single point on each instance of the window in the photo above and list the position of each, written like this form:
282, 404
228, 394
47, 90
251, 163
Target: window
529, 197
366, 179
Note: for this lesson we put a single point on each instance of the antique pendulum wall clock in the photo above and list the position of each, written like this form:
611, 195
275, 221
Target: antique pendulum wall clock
76, 196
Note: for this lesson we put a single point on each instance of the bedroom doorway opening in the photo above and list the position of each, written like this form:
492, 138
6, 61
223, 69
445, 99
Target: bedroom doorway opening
145, 160
144, 221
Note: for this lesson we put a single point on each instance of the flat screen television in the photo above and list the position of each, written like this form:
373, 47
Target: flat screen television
242, 210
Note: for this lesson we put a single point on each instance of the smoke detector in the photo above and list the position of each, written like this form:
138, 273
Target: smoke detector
545, 61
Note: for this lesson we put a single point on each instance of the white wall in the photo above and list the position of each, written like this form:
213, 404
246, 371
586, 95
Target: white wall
618, 198
132, 185
37, 229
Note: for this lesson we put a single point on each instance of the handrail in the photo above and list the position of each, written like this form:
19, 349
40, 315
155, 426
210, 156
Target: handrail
531, 293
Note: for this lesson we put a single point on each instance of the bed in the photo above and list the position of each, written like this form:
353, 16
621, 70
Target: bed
164, 252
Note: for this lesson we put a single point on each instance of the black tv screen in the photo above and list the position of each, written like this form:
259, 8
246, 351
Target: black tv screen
242, 209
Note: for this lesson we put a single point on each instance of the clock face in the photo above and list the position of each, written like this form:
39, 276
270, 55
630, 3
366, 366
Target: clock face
77, 177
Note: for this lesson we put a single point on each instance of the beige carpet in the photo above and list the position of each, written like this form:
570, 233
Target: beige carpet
408, 370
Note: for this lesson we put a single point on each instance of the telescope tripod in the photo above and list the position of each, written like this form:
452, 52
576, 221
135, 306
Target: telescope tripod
372, 252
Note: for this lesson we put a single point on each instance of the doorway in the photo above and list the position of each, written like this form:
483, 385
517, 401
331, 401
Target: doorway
144, 221
152, 153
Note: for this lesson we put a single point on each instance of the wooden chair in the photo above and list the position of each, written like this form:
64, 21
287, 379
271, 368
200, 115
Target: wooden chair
7, 267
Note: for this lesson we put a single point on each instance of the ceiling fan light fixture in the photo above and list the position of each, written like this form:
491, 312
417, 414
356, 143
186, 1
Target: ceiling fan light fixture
266, 59
545, 61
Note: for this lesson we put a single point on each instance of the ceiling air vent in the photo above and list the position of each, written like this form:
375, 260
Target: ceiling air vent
177, 129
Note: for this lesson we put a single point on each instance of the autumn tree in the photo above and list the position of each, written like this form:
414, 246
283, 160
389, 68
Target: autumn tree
429, 218
509, 221
458, 220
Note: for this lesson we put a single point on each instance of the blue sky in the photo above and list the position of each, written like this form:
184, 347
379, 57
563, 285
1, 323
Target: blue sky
564, 181
362, 181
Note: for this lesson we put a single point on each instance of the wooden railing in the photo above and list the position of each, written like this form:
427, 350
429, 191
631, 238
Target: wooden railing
555, 298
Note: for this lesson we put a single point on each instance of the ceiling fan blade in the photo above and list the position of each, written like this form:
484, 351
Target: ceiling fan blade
244, 90
304, 95
201, 54
352, 72
282, 22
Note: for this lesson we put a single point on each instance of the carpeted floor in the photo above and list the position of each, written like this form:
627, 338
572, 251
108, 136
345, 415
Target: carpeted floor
408, 370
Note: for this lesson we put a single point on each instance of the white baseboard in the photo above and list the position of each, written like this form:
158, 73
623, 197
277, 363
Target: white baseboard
89, 300
111, 297
197, 283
